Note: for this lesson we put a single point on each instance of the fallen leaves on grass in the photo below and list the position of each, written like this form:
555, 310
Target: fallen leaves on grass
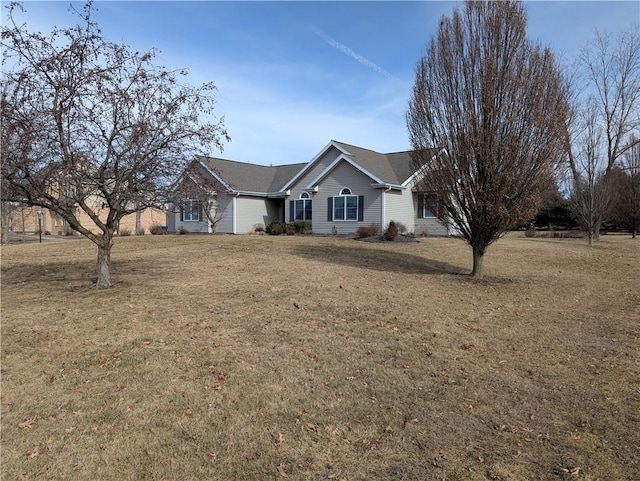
281, 471
27, 423
33, 452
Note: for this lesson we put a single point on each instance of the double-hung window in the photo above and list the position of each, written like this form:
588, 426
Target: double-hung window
191, 211
300, 209
346, 206
429, 206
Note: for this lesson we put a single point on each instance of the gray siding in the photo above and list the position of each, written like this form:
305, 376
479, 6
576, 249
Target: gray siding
430, 226
255, 210
400, 208
345, 175
195, 227
298, 188
225, 224
172, 217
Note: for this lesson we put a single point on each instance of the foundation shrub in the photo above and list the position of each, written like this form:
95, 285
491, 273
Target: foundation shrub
391, 232
402, 229
157, 229
293, 228
368, 231
275, 228
301, 227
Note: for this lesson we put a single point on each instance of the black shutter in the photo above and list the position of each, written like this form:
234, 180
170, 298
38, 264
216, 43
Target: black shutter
330, 209
420, 205
292, 208
182, 212
360, 208
200, 216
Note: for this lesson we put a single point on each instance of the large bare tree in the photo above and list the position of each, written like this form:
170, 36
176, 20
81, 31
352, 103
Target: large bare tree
91, 128
605, 126
496, 104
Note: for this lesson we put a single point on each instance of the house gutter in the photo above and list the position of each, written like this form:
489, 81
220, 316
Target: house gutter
387, 186
269, 195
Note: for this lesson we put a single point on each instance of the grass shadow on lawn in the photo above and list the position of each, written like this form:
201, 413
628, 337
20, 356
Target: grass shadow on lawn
377, 259
72, 275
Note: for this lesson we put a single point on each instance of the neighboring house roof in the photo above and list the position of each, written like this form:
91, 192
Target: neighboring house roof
392, 169
244, 177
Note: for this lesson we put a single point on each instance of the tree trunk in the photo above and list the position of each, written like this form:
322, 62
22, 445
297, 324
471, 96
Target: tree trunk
478, 261
104, 262
138, 223
596, 231
24, 233
5, 212
590, 236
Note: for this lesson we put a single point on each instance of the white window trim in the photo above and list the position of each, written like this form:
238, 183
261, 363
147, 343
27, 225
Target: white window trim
184, 210
345, 196
305, 198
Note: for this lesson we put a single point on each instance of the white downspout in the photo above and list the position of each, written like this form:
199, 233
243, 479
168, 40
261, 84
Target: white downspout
233, 214
383, 216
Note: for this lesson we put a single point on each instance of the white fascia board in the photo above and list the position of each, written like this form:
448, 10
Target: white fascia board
288, 185
333, 164
422, 170
253, 194
389, 186
266, 195
210, 192
216, 176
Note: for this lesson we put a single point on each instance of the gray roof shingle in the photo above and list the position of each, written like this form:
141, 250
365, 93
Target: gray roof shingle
252, 177
392, 168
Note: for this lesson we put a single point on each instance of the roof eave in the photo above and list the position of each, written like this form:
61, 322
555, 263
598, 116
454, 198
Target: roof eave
422, 169
388, 186
312, 162
215, 175
333, 165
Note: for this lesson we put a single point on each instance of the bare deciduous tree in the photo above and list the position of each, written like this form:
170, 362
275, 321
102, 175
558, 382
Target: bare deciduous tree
605, 126
90, 126
627, 182
593, 195
201, 186
496, 103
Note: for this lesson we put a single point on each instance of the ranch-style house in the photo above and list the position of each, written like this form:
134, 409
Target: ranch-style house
342, 188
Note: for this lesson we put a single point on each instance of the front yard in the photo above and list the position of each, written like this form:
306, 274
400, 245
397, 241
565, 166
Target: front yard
307, 358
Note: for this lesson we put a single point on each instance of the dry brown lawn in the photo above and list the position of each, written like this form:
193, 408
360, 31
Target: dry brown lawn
308, 358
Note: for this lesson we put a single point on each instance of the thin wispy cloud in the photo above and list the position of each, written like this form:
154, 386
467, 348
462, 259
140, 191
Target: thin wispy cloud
350, 53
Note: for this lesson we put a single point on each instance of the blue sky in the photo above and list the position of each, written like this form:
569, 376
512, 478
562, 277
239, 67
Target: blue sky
291, 76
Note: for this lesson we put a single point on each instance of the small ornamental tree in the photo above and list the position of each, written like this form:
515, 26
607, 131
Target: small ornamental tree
495, 103
91, 128
201, 186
